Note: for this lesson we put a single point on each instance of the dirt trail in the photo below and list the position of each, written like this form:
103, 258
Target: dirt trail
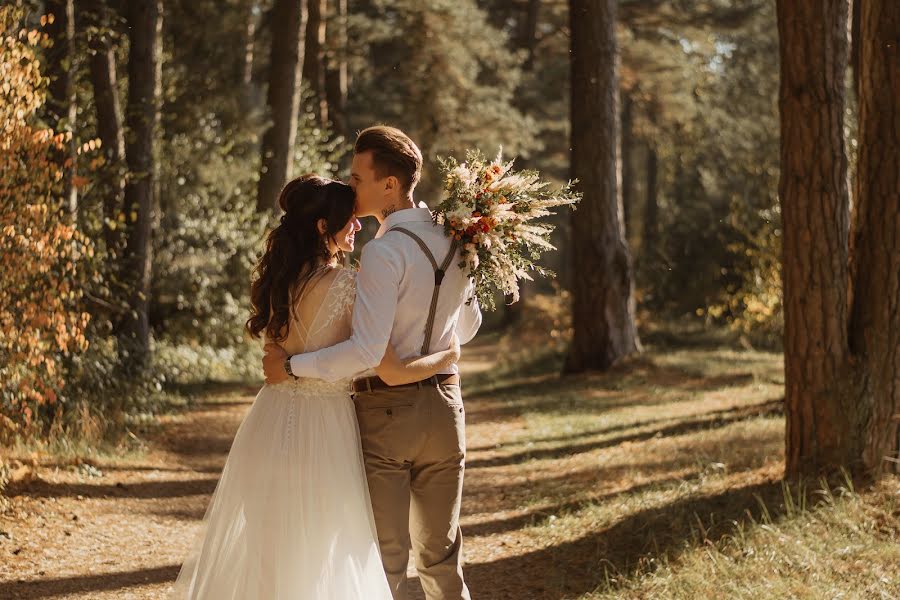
120, 530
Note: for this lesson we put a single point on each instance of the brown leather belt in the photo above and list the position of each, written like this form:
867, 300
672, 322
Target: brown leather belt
369, 384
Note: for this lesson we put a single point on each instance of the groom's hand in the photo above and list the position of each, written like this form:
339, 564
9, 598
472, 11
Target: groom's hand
273, 364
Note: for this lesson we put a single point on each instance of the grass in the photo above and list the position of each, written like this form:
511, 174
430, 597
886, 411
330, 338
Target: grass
843, 547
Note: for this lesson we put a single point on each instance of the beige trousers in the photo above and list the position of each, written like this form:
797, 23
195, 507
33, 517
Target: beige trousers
414, 444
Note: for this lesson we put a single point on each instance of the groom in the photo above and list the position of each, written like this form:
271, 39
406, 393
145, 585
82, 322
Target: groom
410, 293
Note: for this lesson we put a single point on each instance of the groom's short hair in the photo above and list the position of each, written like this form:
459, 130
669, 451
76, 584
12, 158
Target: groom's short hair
393, 153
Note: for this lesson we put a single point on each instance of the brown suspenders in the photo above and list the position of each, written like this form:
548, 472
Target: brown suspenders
438, 278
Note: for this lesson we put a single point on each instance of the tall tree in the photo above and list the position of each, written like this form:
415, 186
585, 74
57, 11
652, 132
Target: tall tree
251, 14
875, 315
855, 42
842, 304
336, 72
282, 100
104, 82
651, 203
314, 58
141, 115
603, 303
627, 158
61, 103
816, 219
528, 31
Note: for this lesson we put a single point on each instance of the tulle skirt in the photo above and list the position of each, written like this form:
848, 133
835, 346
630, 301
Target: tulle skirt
290, 518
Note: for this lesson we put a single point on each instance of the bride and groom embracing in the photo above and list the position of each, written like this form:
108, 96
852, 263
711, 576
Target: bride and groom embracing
354, 450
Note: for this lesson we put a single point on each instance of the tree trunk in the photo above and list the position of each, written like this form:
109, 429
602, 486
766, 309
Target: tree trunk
628, 178
815, 216
602, 292
875, 316
61, 102
651, 205
528, 31
283, 100
144, 22
336, 75
104, 81
249, 56
854, 44
314, 58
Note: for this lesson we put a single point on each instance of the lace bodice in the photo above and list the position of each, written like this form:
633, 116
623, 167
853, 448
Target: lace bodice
332, 321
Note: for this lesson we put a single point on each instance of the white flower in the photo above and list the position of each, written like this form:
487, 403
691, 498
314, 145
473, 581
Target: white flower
463, 174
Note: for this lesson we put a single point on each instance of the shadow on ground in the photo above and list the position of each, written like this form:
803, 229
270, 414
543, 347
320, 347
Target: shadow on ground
84, 584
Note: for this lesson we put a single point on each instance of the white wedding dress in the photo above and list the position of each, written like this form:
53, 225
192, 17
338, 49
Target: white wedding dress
290, 518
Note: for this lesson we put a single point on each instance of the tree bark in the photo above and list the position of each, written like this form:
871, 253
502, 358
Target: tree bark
104, 81
336, 74
651, 204
815, 216
283, 100
61, 102
528, 32
602, 292
314, 58
628, 178
855, 44
875, 315
144, 21
251, 16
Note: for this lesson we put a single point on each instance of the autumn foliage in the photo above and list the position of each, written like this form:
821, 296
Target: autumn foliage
41, 251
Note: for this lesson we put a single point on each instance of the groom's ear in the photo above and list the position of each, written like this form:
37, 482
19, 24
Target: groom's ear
322, 226
391, 183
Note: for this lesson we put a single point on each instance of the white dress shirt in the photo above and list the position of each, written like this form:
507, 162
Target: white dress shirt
393, 295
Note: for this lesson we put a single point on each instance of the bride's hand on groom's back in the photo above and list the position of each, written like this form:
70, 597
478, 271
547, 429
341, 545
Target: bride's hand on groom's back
273, 364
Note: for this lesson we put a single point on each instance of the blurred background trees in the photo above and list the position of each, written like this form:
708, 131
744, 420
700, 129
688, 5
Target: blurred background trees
181, 119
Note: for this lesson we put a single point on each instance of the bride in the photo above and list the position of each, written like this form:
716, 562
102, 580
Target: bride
290, 518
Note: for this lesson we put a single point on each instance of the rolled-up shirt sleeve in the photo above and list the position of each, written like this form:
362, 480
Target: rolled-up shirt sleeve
377, 292
469, 318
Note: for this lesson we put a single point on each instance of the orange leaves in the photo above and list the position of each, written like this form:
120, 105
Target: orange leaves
39, 251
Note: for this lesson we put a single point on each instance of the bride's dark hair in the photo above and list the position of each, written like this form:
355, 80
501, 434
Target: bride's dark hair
295, 249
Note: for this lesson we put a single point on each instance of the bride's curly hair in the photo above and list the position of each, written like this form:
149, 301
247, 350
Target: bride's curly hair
295, 250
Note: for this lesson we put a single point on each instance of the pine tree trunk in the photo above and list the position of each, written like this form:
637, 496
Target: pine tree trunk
249, 54
528, 32
875, 317
815, 216
314, 58
104, 81
651, 205
144, 21
61, 102
602, 290
854, 43
283, 101
336, 74
628, 178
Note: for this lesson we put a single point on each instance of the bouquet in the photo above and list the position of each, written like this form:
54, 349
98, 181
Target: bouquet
493, 212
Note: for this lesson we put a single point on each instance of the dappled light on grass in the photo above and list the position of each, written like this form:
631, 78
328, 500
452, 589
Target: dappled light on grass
597, 482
